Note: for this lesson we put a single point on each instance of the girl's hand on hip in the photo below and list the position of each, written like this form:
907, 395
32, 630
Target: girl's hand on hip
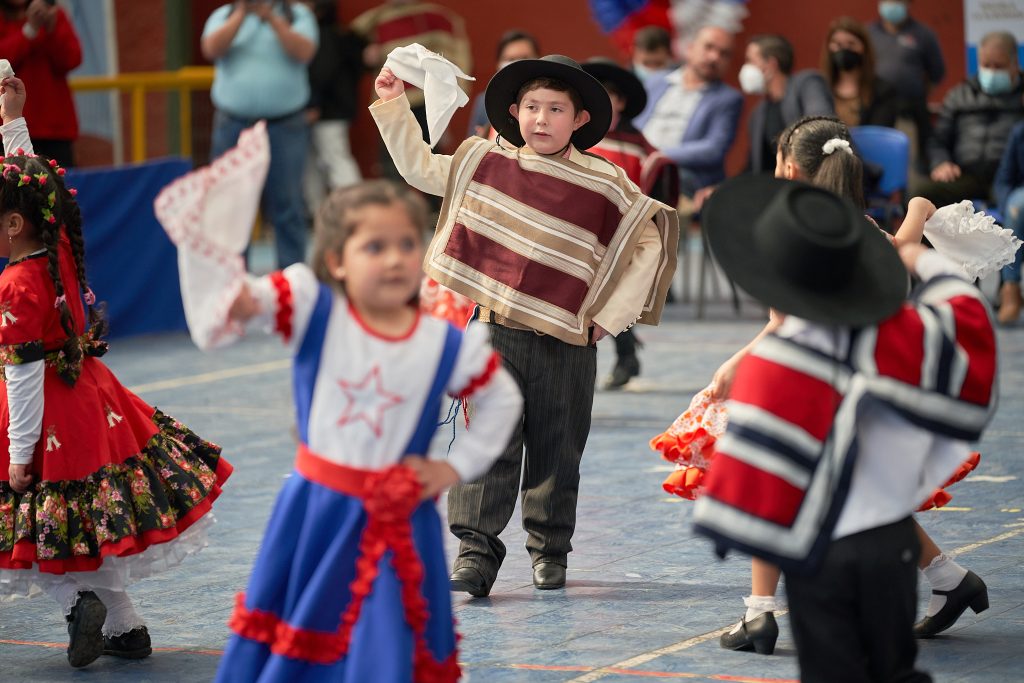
434, 476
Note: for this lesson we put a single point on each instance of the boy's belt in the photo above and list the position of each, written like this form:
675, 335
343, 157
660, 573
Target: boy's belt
489, 316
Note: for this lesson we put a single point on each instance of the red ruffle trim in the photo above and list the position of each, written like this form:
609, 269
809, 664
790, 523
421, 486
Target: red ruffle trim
390, 497
23, 554
481, 380
283, 317
685, 482
941, 497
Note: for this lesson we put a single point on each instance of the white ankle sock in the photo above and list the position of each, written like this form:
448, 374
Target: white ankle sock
64, 590
121, 614
943, 574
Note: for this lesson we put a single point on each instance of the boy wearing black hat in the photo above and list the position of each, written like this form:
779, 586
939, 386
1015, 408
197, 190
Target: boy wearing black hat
558, 248
654, 173
843, 420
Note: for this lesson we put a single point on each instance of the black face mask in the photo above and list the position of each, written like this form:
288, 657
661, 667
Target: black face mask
845, 60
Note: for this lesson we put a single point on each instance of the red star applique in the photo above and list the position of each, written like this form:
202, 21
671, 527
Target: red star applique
367, 401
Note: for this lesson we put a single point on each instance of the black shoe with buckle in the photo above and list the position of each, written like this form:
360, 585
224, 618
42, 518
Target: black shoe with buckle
134, 644
548, 576
626, 368
759, 634
469, 580
85, 629
970, 592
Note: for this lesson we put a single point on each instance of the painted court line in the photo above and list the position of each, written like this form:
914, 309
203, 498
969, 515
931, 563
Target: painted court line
215, 376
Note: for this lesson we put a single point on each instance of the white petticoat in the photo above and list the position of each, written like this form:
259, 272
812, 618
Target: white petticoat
971, 239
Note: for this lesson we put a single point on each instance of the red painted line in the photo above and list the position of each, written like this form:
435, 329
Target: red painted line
528, 667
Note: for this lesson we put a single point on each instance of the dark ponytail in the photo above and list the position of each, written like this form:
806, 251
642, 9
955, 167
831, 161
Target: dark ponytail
840, 171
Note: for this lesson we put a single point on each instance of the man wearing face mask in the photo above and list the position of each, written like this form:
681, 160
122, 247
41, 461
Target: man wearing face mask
974, 125
787, 97
652, 53
908, 56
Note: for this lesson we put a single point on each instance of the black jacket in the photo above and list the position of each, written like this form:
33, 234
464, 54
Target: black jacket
972, 128
334, 73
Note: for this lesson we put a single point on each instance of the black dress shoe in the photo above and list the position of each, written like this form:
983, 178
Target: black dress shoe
132, 645
469, 580
85, 629
626, 368
970, 592
548, 576
759, 634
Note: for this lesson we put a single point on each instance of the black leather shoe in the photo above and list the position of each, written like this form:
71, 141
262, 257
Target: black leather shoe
132, 645
759, 634
85, 629
469, 580
548, 576
970, 592
626, 368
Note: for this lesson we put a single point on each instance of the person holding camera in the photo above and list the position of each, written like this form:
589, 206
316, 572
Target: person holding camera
38, 39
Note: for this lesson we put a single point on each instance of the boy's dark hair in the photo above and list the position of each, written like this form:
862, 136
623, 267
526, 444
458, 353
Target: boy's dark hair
551, 84
514, 36
337, 217
47, 217
839, 172
775, 46
652, 39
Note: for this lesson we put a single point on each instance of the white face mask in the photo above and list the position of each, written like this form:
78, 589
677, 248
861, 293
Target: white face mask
752, 80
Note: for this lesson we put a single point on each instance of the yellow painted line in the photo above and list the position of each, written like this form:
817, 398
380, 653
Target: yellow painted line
215, 376
953, 508
1010, 510
995, 539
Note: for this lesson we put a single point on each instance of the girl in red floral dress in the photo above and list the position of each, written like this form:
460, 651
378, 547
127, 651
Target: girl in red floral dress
97, 488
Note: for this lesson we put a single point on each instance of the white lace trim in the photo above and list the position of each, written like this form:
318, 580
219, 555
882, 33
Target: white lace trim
970, 239
116, 572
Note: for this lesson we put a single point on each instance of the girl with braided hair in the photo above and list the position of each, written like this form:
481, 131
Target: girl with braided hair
98, 488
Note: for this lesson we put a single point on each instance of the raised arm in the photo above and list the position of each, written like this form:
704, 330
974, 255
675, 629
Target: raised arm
14, 130
216, 42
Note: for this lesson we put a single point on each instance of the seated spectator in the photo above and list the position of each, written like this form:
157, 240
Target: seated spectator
848, 64
691, 115
652, 52
788, 97
513, 46
1009, 191
974, 125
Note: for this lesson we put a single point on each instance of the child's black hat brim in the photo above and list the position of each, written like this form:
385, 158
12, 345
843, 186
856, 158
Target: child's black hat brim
624, 80
504, 87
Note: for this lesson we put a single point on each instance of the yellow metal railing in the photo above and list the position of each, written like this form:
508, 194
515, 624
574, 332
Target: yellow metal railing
139, 83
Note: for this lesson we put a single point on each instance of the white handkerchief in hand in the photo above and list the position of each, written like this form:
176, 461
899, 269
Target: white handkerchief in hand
437, 77
971, 239
209, 215
6, 71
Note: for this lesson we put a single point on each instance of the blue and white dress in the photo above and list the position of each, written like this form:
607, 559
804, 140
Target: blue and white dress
351, 583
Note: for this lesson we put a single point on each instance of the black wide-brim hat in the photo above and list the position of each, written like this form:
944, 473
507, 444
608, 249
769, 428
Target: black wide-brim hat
504, 87
625, 81
804, 251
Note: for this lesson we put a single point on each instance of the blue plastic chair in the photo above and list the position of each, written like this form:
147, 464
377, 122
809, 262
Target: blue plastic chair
889, 149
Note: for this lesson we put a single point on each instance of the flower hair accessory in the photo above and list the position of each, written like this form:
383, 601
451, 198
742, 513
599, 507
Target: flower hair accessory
90, 298
60, 301
836, 143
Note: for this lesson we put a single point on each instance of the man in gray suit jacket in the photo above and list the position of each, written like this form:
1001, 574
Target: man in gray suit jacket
691, 116
788, 97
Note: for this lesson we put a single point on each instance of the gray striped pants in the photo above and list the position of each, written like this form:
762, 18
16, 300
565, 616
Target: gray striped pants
557, 382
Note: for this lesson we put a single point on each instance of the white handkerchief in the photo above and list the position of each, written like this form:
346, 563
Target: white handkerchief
438, 79
6, 70
209, 214
971, 239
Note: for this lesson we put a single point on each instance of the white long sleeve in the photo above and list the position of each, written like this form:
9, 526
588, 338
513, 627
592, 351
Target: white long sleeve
15, 135
25, 399
497, 408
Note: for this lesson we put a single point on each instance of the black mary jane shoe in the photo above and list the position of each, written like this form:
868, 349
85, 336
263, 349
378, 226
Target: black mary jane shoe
759, 634
970, 592
548, 576
626, 368
85, 629
134, 644
469, 580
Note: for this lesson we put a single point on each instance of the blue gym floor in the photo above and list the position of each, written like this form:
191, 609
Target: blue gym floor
645, 599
